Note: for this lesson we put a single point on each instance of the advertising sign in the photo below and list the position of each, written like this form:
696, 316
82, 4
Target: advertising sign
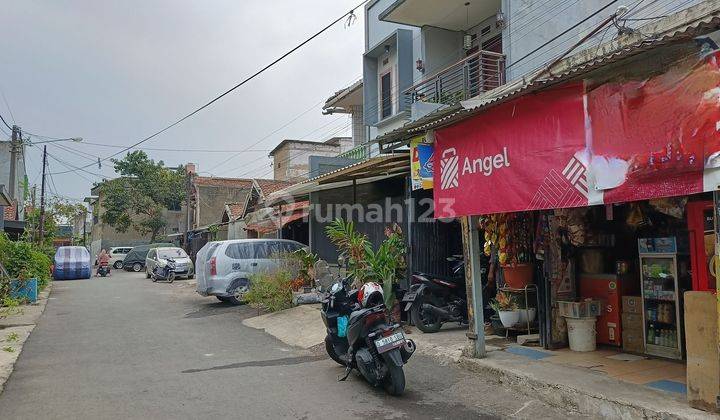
421, 163
579, 145
517, 156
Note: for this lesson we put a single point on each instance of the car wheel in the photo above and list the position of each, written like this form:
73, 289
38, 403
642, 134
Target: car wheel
147, 274
137, 267
191, 276
237, 297
117, 265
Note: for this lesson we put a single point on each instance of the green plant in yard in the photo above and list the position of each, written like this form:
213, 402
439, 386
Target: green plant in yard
271, 291
23, 260
307, 262
12, 337
352, 244
9, 306
386, 265
9, 349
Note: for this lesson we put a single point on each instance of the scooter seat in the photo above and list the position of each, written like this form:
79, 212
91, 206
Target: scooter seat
357, 314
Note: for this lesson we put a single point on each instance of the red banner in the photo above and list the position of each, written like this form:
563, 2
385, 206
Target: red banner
661, 131
516, 156
563, 147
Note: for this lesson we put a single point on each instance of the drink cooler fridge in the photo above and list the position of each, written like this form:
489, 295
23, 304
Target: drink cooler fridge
659, 289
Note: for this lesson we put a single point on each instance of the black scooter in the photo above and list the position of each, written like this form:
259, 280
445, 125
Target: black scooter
361, 338
433, 300
166, 272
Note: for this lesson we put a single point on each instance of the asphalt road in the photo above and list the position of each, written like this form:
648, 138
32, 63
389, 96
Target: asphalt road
124, 347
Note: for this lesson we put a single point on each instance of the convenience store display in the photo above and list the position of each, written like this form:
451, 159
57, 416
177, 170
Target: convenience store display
659, 281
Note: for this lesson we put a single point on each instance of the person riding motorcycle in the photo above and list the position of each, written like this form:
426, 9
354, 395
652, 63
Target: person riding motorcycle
103, 261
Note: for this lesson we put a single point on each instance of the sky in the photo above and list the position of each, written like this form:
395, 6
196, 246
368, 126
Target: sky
115, 72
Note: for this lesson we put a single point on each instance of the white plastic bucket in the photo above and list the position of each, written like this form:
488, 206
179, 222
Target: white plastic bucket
581, 333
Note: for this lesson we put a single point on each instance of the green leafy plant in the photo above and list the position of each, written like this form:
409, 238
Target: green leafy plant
213, 231
504, 302
139, 198
352, 244
271, 291
12, 337
9, 349
307, 261
386, 265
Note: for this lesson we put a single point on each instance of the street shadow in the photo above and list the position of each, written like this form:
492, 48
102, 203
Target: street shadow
287, 361
213, 309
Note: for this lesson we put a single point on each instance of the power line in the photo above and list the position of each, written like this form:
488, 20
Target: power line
246, 80
8, 106
168, 149
562, 33
5, 122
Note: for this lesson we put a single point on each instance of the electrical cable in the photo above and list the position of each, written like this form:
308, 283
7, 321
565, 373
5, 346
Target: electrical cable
5, 122
562, 33
243, 82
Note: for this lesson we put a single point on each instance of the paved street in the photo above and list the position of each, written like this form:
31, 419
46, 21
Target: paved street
124, 347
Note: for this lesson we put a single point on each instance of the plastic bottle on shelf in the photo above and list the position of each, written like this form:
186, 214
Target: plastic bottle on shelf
651, 334
657, 337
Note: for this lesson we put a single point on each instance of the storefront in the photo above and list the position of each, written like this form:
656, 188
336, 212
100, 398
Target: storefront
592, 199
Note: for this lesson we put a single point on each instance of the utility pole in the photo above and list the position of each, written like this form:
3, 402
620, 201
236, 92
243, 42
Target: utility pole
85, 216
42, 198
14, 146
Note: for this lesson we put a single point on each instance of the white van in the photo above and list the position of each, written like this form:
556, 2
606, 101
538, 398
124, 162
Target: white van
223, 268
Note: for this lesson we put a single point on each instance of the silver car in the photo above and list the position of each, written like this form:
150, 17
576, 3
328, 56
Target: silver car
157, 257
224, 268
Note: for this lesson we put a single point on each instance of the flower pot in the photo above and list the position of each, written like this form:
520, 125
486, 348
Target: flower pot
518, 276
527, 315
509, 318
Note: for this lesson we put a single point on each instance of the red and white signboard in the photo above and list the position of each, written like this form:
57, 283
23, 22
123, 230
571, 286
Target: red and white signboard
571, 146
516, 156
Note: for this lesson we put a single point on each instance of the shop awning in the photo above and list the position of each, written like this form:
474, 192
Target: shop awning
370, 170
683, 25
270, 219
575, 145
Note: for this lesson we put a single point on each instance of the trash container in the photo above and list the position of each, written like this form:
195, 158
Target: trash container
581, 333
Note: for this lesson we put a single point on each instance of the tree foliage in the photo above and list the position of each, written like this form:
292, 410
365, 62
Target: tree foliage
57, 212
139, 197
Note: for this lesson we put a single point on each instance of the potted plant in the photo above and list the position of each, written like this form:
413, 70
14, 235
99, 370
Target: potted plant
507, 309
510, 234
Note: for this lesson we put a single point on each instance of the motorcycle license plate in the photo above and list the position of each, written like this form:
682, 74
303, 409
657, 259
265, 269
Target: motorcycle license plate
390, 342
409, 297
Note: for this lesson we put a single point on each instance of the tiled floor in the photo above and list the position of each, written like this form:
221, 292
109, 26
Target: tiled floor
660, 374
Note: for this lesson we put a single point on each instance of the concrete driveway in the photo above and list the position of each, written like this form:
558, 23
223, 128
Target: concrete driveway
124, 347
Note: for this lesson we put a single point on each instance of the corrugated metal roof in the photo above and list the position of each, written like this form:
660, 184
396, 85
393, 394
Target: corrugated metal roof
683, 25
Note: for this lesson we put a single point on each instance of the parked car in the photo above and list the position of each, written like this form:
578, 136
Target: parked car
135, 259
224, 268
117, 255
158, 257
71, 262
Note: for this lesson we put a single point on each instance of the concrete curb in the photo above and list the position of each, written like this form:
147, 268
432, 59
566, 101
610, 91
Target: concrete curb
579, 399
22, 325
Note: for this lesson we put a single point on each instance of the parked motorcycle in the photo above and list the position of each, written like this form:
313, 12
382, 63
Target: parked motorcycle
434, 300
166, 272
360, 337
